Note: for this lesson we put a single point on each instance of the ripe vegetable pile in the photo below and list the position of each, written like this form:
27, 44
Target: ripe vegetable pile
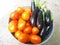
30, 25
21, 27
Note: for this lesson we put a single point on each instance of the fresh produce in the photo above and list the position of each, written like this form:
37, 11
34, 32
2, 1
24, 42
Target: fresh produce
31, 25
35, 30
34, 15
14, 15
28, 10
46, 24
22, 29
28, 24
35, 39
17, 33
12, 26
48, 18
21, 23
39, 20
28, 29
25, 16
23, 38
20, 10
32, 5
43, 31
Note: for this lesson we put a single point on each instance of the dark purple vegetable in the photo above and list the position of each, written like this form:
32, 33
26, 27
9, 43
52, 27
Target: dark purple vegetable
34, 15
43, 31
40, 20
47, 25
32, 5
48, 18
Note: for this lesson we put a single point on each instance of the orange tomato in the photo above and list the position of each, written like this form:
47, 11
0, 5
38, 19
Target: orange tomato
28, 30
20, 10
12, 26
35, 30
21, 24
14, 15
35, 39
25, 16
23, 38
28, 24
28, 10
18, 33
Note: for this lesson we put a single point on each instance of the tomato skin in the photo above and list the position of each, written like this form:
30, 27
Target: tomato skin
18, 33
35, 30
21, 24
14, 15
21, 28
23, 38
35, 39
25, 16
28, 30
28, 24
20, 10
28, 10
12, 26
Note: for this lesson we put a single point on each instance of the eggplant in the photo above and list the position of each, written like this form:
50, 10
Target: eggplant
46, 32
47, 25
48, 28
48, 18
33, 19
39, 20
43, 31
32, 5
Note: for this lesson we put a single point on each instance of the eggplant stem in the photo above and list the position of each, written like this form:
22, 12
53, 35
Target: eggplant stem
32, 0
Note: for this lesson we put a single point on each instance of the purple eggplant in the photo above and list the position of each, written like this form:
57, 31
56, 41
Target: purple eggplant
39, 20
34, 15
32, 5
48, 18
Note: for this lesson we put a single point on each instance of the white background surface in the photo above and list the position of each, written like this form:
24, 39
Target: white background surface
6, 6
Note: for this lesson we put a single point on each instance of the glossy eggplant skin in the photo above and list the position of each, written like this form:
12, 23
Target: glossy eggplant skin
32, 5
48, 18
43, 31
33, 19
40, 20
47, 25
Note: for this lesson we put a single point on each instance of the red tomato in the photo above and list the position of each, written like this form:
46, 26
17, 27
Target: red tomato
35, 30
21, 24
28, 30
28, 24
35, 39
14, 15
23, 38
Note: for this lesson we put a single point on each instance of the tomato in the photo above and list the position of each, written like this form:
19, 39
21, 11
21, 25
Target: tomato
28, 30
14, 15
28, 24
35, 30
12, 26
23, 38
21, 24
20, 10
28, 10
35, 39
25, 16
18, 33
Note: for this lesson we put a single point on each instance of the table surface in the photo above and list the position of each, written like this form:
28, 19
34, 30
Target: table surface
7, 6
